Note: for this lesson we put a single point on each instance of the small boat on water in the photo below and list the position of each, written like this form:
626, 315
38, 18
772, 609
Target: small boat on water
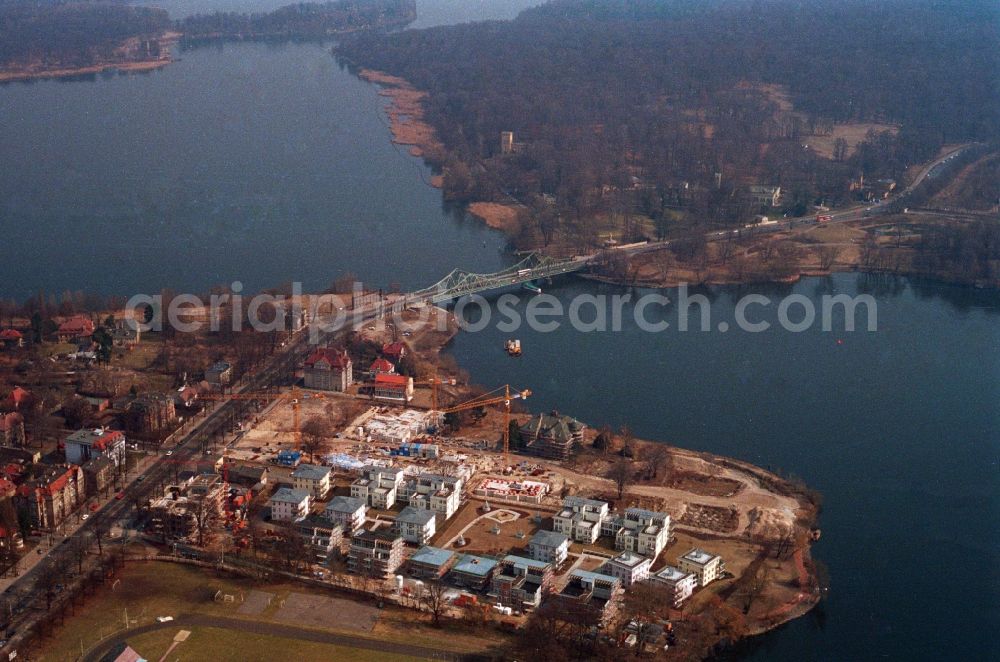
532, 286
513, 347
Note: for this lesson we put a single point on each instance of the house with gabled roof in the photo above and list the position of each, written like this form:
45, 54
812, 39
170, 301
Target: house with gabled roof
551, 435
381, 366
394, 351
75, 329
328, 369
11, 339
49, 498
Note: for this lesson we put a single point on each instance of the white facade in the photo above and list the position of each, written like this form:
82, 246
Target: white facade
313, 479
289, 505
549, 546
705, 566
442, 494
378, 486
645, 532
348, 512
84, 445
680, 584
415, 525
580, 519
628, 567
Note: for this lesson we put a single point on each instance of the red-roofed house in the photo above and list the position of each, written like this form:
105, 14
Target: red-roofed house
394, 388
329, 369
75, 328
19, 398
381, 367
7, 488
85, 444
11, 338
51, 497
394, 351
11, 430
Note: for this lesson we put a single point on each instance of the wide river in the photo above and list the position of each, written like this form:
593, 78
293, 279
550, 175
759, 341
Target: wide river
266, 164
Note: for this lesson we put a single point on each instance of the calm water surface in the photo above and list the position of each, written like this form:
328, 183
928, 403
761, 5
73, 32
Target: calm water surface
899, 429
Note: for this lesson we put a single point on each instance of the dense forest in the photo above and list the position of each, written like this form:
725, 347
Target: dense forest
671, 109
302, 20
71, 34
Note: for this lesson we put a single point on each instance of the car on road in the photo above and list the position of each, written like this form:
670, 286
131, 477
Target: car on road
120, 496
85, 516
169, 453
140, 478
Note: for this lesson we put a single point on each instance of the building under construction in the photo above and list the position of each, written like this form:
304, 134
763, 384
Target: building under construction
551, 435
184, 508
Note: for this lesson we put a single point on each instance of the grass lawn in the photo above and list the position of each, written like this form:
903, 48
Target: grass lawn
52, 349
146, 590
139, 357
218, 644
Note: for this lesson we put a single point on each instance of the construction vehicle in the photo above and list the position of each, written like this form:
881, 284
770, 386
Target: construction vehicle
500, 396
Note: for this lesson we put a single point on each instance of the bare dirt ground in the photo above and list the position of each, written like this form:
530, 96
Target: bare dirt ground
324, 612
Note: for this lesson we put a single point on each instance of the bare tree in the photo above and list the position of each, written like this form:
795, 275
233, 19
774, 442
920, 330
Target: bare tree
753, 581
621, 474
827, 255
48, 579
658, 458
204, 513
644, 604
605, 439
434, 599
314, 435
100, 527
78, 551
628, 441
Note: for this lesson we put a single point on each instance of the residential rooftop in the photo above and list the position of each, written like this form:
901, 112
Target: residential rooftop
549, 538
411, 515
629, 559
345, 504
432, 556
311, 472
288, 495
469, 564
699, 556
671, 574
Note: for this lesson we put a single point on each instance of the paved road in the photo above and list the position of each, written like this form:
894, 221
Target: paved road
842, 216
29, 603
271, 629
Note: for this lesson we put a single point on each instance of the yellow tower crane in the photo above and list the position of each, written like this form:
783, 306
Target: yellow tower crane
294, 396
503, 395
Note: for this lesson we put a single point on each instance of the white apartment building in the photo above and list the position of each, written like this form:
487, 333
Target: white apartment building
289, 505
641, 531
549, 546
680, 584
580, 519
629, 567
705, 566
312, 478
378, 486
348, 512
416, 525
442, 494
